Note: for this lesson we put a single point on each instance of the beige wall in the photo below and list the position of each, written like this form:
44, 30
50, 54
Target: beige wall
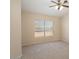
28, 28
15, 46
65, 28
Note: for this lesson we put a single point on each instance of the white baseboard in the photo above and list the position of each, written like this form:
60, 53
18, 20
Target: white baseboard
34, 43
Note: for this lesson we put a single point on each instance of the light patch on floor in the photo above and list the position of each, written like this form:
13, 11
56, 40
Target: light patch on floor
54, 50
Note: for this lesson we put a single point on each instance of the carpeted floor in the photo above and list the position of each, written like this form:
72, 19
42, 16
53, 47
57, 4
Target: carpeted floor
54, 50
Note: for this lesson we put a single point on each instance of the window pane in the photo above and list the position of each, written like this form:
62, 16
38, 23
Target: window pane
48, 28
39, 34
43, 28
39, 28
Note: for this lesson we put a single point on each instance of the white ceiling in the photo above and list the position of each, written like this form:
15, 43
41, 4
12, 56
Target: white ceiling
42, 6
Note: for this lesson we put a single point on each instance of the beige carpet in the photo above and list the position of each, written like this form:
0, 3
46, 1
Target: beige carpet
54, 50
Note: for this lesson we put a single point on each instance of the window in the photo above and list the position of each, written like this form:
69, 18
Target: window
48, 28
43, 28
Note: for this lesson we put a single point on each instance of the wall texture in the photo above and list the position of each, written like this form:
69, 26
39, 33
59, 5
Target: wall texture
65, 28
15, 46
28, 28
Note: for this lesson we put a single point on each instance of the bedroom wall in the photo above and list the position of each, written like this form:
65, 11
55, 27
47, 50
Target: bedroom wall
65, 28
15, 29
28, 28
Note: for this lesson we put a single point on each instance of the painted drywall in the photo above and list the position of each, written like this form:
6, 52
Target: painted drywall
15, 42
28, 28
65, 28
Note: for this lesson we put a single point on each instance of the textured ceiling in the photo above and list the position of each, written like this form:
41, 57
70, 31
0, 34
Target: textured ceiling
42, 7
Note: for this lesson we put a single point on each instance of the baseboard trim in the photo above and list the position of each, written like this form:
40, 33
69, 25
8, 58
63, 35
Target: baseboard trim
40, 43
65, 41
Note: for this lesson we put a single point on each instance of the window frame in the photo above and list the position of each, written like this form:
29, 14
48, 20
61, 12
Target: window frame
45, 28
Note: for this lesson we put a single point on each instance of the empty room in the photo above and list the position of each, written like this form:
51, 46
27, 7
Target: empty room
40, 29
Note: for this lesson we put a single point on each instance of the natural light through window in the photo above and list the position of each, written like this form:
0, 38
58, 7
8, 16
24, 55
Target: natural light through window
43, 28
